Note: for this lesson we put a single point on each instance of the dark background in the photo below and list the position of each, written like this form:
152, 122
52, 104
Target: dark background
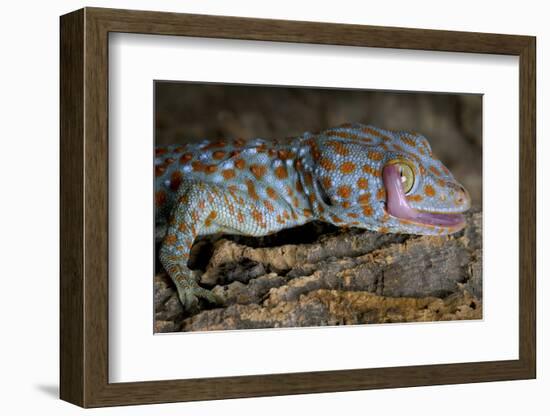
186, 112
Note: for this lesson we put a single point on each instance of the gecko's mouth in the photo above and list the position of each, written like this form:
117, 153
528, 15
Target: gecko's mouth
398, 206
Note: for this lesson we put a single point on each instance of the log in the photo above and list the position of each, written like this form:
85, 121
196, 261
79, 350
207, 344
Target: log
319, 275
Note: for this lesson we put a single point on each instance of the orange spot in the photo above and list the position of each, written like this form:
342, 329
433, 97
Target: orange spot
289, 191
284, 154
280, 172
271, 193
346, 204
327, 164
347, 168
186, 158
175, 180
160, 151
269, 206
338, 147
415, 198
239, 142
375, 133
381, 194
286, 215
367, 210
408, 141
159, 170
228, 174
307, 213
327, 183
201, 204
182, 227
353, 215
257, 216
251, 189
295, 202
240, 217
258, 170
210, 218
308, 178
344, 135
441, 183
198, 166
210, 169
239, 164
371, 171
183, 199
168, 161
214, 145
363, 183
364, 199
435, 171
429, 190
218, 155
299, 187
398, 148
170, 239
383, 230
344, 191
374, 155
160, 198
335, 218
298, 164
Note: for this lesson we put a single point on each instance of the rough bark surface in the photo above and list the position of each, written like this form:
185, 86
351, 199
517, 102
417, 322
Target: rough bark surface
319, 275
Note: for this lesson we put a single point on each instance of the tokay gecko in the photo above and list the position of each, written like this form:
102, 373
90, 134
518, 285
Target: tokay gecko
352, 175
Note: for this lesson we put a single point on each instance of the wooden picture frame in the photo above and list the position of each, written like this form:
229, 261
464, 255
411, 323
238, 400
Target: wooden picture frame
84, 207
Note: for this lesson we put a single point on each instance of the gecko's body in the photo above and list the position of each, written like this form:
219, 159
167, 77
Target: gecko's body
352, 175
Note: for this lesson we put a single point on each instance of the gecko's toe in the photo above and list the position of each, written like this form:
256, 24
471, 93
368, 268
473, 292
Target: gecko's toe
190, 296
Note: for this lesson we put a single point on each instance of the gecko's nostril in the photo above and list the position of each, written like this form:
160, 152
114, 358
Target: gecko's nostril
463, 198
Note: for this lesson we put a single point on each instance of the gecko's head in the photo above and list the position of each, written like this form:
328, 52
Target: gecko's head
390, 182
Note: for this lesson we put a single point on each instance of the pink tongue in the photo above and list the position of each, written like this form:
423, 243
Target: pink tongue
398, 206
397, 203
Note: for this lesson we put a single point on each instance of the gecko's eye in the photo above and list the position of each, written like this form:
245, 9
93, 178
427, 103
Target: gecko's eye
406, 172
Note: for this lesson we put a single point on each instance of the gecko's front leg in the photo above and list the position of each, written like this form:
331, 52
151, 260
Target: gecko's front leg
189, 218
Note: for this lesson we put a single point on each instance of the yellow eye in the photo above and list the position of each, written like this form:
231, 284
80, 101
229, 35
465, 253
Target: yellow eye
407, 174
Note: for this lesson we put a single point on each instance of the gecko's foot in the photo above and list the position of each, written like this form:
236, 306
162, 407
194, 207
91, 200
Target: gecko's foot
189, 296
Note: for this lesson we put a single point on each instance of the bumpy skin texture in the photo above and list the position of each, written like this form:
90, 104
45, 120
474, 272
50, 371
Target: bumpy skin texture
345, 176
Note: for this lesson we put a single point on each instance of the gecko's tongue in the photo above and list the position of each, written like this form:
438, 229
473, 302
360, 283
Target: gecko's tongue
398, 206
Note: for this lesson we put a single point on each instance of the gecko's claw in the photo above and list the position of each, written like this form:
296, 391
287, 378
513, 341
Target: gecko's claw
189, 296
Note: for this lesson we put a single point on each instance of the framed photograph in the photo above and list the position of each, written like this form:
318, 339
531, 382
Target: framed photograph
255, 207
